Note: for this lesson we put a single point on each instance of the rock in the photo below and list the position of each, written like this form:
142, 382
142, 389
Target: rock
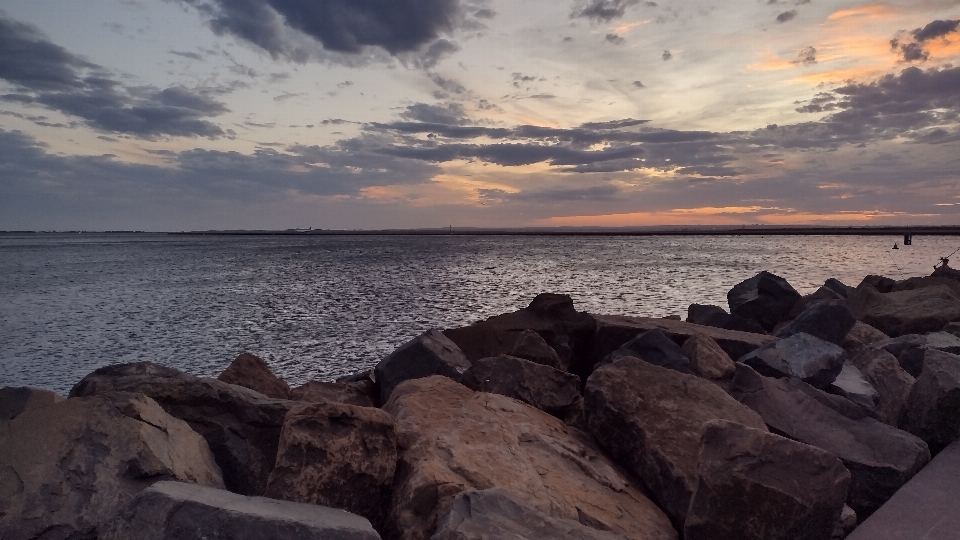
249, 371
839, 287
707, 359
553, 391
891, 382
655, 347
452, 439
853, 385
880, 458
952, 328
860, 336
932, 410
754, 485
336, 455
431, 353
911, 349
358, 377
829, 321
927, 281
944, 271
650, 420
925, 309
928, 506
14, 401
803, 356
718, 317
846, 523
823, 294
67, 466
765, 298
881, 284
615, 330
493, 514
361, 393
530, 346
175, 511
241, 426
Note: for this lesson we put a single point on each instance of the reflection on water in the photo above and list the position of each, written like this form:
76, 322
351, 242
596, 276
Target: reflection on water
320, 307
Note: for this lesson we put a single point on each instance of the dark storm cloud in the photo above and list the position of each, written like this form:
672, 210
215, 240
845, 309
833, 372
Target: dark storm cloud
602, 10
614, 124
48, 75
935, 29
437, 51
913, 51
786, 16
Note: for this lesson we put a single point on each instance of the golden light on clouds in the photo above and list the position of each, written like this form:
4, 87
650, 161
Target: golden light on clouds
729, 215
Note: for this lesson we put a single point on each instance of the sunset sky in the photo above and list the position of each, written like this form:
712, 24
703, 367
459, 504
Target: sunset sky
274, 114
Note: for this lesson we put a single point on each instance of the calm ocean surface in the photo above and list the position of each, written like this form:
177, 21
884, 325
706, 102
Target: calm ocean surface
320, 307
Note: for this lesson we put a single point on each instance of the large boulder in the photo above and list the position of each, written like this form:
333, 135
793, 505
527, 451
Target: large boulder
431, 353
362, 393
839, 287
550, 390
881, 284
67, 466
336, 455
879, 457
861, 335
707, 359
250, 371
650, 419
916, 311
932, 409
710, 315
803, 356
493, 514
829, 321
952, 328
452, 439
177, 511
754, 485
891, 382
852, 384
530, 346
765, 298
241, 426
655, 347
15, 400
910, 349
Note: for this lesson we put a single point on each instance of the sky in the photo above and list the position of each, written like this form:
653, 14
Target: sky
173, 115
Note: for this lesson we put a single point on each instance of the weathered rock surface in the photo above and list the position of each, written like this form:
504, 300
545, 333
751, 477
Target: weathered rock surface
853, 385
952, 328
754, 485
336, 455
15, 400
881, 284
250, 371
829, 321
615, 330
431, 353
823, 294
67, 466
927, 507
707, 359
891, 382
550, 390
361, 393
846, 523
452, 439
932, 409
241, 426
879, 457
650, 420
839, 287
493, 514
654, 347
803, 356
709, 315
860, 336
765, 298
177, 511
910, 349
530, 346
916, 311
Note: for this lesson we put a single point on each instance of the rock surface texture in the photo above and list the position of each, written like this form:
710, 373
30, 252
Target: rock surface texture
452, 439
852, 384
803, 356
552, 391
336, 455
362, 393
927, 309
765, 298
932, 409
860, 336
754, 485
650, 419
431, 353
707, 359
15, 400
250, 371
890, 381
176, 511
829, 321
709, 315
66, 467
530, 346
654, 347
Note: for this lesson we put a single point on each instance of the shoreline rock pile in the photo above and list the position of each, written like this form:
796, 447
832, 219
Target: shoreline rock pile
786, 417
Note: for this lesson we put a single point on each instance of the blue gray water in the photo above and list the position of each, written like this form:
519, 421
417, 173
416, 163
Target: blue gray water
320, 307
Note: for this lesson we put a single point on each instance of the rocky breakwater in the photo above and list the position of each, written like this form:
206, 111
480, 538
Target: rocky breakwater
779, 416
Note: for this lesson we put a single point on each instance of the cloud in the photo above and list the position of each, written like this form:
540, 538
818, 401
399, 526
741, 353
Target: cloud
638, 84
448, 114
602, 10
806, 57
786, 16
935, 29
913, 51
437, 51
187, 54
667, 55
615, 39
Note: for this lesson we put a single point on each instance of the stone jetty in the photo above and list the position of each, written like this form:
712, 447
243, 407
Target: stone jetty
777, 417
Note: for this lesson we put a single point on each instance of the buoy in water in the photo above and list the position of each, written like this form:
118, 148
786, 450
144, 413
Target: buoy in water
895, 246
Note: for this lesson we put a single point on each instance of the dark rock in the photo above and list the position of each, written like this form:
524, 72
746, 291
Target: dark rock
916, 311
846, 523
175, 511
66, 467
431, 353
716, 316
928, 281
860, 336
823, 294
241, 426
932, 410
337, 455
829, 321
361, 393
952, 328
881, 284
550, 390
853, 385
14, 401
754, 485
250, 371
655, 347
891, 382
803, 356
650, 420
530, 346
839, 287
358, 377
880, 458
911, 349
707, 359
765, 298
493, 514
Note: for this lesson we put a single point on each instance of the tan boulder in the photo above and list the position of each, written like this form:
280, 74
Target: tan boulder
892, 383
361, 393
530, 346
915, 311
707, 359
860, 336
452, 439
250, 371
14, 401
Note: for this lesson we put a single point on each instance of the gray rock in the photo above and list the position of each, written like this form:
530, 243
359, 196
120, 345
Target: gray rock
493, 514
553, 391
891, 382
765, 298
916, 311
911, 349
176, 511
431, 353
716, 316
846, 523
839, 287
853, 385
530, 346
14, 401
952, 328
932, 410
655, 347
803, 356
829, 321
